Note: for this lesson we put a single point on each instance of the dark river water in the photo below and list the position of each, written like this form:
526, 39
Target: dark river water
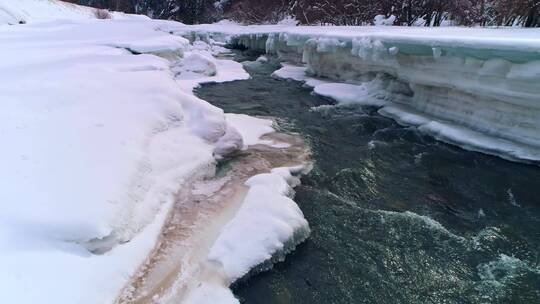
396, 216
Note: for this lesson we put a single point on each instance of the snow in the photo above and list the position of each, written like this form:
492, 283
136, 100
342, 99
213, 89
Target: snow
346, 93
482, 80
199, 63
36, 11
251, 128
297, 73
289, 71
268, 221
101, 129
208, 293
382, 20
15, 11
502, 39
267, 226
200, 66
97, 143
456, 134
289, 21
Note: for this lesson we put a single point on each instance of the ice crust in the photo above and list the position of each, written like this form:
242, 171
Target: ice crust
30, 11
482, 82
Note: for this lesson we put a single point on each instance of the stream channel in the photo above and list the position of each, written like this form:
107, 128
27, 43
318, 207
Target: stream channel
396, 216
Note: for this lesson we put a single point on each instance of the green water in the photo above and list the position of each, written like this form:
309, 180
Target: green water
396, 216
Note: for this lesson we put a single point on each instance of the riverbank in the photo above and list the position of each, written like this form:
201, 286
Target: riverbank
180, 263
471, 87
396, 216
105, 143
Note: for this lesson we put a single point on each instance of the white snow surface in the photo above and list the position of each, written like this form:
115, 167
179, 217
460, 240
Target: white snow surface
15, 11
200, 65
297, 73
267, 226
30, 11
100, 133
101, 130
211, 293
267, 221
97, 142
346, 93
251, 128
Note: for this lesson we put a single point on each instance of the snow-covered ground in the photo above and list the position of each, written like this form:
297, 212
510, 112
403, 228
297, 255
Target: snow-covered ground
22, 11
474, 87
100, 130
96, 142
31, 11
98, 137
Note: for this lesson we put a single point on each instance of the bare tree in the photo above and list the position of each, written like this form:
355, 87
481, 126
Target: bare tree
337, 12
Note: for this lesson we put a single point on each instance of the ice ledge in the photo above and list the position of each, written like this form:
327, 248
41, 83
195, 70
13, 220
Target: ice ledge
462, 137
267, 226
482, 82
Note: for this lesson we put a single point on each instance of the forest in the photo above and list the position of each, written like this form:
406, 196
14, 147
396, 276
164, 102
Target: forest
524, 13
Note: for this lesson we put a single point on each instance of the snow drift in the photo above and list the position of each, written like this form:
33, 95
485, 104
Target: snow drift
101, 131
24, 11
270, 226
98, 138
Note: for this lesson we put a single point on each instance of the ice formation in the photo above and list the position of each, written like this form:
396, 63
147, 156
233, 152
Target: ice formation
476, 88
101, 129
269, 224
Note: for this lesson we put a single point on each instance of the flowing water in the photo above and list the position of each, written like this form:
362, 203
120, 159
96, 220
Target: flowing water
396, 216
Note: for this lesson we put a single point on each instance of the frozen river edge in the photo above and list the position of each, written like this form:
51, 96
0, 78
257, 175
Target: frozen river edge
105, 133
220, 228
475, 88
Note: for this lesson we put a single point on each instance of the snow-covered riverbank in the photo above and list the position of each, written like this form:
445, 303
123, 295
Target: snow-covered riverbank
97, 142
102, 134
476, 88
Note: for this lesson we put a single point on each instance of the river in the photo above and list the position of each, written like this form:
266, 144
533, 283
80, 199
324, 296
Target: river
396, 216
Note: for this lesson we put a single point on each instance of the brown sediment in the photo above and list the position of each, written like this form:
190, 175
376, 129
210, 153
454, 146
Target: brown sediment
201, 209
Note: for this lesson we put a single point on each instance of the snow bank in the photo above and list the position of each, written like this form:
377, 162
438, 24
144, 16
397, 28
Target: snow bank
346, 93
200, 66
267, 226
32, 11
98, 139
251, 128
482, 80
297, 73
211, 293
24, 11
198, 63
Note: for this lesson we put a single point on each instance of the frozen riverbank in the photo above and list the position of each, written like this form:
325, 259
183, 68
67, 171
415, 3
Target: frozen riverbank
475, 88
97, 142
104, 140
220, 229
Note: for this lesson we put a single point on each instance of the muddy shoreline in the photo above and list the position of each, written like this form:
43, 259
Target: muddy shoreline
198, 214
